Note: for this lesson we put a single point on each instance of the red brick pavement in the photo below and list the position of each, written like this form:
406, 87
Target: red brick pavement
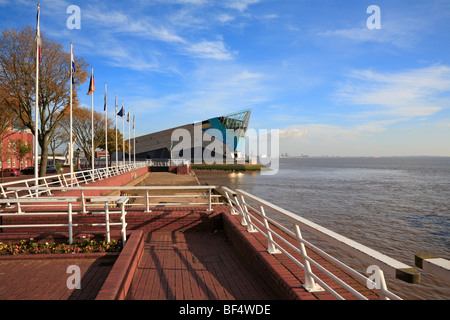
194, 266
46, 279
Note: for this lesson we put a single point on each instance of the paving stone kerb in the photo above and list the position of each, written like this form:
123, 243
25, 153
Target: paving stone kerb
119, 279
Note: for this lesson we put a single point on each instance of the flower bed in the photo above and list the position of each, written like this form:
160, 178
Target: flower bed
85, 245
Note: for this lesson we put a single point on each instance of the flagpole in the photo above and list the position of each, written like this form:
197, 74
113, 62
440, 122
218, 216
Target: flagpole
134, 141
123, 136
117, 154
106, 130
71, 136
36, 105
92, 126
129, 137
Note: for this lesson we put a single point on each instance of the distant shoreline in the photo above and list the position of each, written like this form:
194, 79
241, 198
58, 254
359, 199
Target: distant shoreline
228, 167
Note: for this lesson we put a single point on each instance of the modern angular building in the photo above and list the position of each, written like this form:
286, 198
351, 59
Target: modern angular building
216, 138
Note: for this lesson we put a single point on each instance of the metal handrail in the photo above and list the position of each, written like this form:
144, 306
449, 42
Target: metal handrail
118, 201
255, 219
65, 180
84, 199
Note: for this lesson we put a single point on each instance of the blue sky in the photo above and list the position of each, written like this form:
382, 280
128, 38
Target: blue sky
309, 68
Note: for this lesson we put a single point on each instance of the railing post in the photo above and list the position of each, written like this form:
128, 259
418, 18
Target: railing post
84, 177
246, 216
19, 209
46, 184
83, 202
70, 224
271, 247
28, 187
230, 201
209, 200
60, 181
241, 212
124, 225
108, 232
3, 192
310, 285
147, 209
383, 286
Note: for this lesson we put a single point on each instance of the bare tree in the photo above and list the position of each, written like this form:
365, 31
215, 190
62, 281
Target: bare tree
6, 130
58, 138
82, 122
18, 79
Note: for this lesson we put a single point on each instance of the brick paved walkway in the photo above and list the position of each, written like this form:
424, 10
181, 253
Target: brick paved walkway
46, 279
194, 266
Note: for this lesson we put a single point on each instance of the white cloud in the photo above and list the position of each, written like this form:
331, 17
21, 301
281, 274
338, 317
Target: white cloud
224, 17
409, 94
397, 29
115, 24
240, 5
210, 50
387, 104
295, 132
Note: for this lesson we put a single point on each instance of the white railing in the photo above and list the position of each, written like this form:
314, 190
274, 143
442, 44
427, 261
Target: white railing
254, 216
29, 189
151, 192
71, 201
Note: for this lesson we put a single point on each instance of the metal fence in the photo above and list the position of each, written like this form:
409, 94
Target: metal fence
29, 188
69, 203
133, 193
261, 216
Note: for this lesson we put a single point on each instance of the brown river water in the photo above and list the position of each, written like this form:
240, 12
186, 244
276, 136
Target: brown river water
399, 206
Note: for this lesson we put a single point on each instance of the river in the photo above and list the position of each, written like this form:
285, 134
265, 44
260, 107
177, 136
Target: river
399, 206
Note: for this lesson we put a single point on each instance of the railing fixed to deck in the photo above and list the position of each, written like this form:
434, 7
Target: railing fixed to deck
84, 201
65, 180
254, 216
131, 192
61, 202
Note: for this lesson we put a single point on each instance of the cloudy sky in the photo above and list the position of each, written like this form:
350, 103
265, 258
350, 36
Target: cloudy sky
312, 69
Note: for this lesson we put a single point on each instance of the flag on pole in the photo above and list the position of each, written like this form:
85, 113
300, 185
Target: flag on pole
120, 114
72, 72
133, 121
128, 116
106, 100
38, 32
91, 84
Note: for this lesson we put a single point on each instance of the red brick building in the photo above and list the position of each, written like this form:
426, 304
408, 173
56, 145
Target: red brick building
9, 157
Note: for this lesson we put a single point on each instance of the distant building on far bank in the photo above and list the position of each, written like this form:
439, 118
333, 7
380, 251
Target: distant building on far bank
206, 139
